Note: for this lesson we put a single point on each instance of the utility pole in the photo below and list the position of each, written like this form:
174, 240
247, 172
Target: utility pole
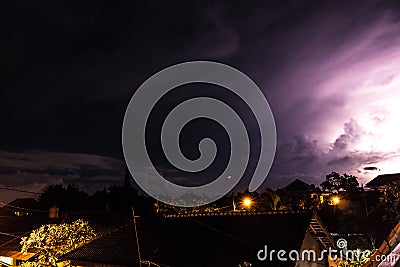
136, 234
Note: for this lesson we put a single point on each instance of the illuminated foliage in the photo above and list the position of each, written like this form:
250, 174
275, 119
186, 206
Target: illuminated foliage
358, 260
54, 240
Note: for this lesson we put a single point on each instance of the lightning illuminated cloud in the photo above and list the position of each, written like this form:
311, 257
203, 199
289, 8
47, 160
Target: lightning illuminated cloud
345, 108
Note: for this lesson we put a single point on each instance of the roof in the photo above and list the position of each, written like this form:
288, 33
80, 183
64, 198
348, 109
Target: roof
27, 203
226, 240
5, 212
297, 185
118, 248
12, 228
384, 179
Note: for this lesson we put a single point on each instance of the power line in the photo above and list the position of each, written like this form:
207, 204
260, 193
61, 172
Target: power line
18, 190
20, 208
7, 234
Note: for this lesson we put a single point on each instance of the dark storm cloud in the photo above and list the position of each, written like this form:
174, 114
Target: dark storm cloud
33, 170
371, 169
70, 68
84, 171
304, 150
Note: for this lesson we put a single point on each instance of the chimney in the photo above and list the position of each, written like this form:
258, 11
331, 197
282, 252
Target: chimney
53, 212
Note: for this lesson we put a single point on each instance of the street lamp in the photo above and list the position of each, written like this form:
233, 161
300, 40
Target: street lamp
247, 202
335, 200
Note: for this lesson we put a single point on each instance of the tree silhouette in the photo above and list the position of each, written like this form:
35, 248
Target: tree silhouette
335, 183
68, 198
271, 200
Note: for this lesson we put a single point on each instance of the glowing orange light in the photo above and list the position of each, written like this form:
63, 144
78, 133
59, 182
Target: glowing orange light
247, 202
335, 200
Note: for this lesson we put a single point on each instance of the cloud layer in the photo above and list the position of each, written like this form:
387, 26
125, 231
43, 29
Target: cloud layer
330, 72
34, 170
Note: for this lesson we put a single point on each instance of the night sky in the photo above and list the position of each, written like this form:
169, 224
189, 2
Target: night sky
330, 71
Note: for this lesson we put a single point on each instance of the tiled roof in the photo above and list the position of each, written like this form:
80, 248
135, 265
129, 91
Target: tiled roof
12, 228
384, 180
197, 241
117, 248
